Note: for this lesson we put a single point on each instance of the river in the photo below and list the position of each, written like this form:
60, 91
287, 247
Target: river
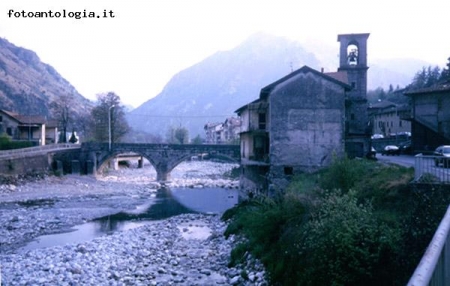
110, 222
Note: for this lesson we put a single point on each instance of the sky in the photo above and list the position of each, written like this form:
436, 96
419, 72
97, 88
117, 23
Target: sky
146, 42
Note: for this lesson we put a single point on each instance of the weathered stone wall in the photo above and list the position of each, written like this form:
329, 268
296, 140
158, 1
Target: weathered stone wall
66, 158
306, 123
25, 165
252, 179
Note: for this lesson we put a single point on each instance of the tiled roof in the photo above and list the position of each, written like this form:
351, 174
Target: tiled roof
305, 69
26, 119
340, 76
443, 87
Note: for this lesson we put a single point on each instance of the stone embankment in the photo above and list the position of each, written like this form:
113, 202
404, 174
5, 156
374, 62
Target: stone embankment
188, 249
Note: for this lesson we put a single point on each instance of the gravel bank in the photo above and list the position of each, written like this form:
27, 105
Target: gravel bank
188, 249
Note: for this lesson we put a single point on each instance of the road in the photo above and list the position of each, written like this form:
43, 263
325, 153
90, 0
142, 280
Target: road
402, 160
425, 167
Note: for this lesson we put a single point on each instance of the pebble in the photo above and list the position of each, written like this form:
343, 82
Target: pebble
153, 254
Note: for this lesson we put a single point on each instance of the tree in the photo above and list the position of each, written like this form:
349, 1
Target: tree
197, 140
420, 79
445, 74
109, 112
182, 135
178, 135
61, 112
73, 139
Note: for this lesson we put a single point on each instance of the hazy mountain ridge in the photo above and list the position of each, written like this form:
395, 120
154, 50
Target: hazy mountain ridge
213, 89
28, 86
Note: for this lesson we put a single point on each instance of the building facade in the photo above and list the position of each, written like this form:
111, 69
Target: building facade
28, 128
388, 119
430, 117
226, 132
302, 121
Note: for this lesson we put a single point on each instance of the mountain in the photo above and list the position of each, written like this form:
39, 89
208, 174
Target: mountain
28, 86
213, 89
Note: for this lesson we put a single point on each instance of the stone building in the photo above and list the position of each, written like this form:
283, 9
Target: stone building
388, 119
303, 120
430, 117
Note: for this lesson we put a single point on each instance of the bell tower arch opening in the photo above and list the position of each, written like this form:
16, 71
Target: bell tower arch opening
352, 54
353, 61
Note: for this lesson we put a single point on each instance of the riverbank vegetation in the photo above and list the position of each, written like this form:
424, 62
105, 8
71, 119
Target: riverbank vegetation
358, 222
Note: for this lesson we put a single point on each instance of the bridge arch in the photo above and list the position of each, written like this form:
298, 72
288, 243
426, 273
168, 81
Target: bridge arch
163, 157
103, 160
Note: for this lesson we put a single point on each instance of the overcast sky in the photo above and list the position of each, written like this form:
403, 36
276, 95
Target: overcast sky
148, 41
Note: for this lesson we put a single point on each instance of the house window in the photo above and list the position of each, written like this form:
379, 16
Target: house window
288, 171
352, 116
9, 131
354, 85
1, 118
262, 121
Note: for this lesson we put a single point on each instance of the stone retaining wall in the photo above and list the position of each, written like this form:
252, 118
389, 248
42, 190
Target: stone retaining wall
25, 165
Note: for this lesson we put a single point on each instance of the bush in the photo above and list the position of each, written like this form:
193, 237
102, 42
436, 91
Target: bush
263, 222
7, 144
358, 222
345, 244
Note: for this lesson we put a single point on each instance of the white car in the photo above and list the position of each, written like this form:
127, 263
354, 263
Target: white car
377, 136
442, 156
391, 150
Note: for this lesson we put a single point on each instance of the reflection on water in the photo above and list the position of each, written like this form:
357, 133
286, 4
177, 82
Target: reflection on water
165, 204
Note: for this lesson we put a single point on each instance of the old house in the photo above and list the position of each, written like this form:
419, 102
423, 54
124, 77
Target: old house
213, 132
224, 132
387, 119
430, 117
28, 128
231, 129
303, 120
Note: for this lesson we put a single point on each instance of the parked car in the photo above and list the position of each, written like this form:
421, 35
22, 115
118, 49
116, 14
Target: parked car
405, 147
391, 150
442, 156
377, 136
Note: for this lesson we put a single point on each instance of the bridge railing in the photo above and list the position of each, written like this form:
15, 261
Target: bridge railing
33, 150
431, 169
434, 267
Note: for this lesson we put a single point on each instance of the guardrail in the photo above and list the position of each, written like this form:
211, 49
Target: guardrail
434, 267
430, 169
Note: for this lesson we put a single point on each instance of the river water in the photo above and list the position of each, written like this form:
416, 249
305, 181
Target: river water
163, 204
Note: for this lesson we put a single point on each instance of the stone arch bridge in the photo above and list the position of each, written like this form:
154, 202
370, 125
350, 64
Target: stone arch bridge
163, 157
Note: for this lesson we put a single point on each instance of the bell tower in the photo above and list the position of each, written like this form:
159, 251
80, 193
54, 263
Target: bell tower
353, 61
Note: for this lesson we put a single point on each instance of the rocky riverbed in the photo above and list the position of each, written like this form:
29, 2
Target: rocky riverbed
187, 249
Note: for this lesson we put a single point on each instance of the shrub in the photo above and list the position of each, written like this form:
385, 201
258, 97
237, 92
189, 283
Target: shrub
263, 222
6, 143
345, 244
356, 223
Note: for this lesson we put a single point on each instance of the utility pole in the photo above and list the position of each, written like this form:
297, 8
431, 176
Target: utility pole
109, 126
